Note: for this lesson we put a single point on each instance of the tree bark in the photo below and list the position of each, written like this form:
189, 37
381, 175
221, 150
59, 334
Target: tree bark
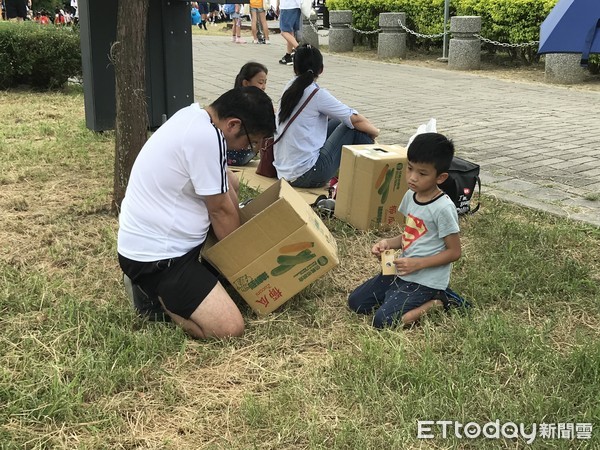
128, 54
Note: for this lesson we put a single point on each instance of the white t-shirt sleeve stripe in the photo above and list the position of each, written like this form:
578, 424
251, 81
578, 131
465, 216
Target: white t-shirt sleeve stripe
223, 157
208, 161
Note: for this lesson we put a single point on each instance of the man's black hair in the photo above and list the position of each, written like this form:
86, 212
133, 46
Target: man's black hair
432, 148
249, 104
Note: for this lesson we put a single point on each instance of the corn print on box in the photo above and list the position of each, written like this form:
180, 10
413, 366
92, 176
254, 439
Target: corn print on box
281, 247
372, 182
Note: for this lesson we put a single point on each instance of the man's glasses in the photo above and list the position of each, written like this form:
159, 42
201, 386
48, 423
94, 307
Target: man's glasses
250, 143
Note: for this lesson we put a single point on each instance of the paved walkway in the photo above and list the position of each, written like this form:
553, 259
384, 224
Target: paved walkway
538, 145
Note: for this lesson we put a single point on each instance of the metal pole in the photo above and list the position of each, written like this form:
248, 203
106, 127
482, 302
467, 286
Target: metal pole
446, 19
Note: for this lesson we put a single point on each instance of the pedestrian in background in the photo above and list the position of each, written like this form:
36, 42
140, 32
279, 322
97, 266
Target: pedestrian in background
16, 9
257, 14
236, 29
289, 24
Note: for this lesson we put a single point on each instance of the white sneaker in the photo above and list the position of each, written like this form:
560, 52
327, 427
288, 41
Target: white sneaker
240, 41
254, 41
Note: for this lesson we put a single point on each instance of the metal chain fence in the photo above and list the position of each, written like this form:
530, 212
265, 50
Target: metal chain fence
504, 44
429, 36
316, 30
419, 35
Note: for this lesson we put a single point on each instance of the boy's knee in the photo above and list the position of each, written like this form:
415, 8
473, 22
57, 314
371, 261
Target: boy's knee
353, 303
357, 304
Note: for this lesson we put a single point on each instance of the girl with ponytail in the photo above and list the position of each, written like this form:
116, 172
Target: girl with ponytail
309, 152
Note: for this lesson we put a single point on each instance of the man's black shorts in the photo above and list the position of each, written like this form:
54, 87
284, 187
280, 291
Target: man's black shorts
182, 283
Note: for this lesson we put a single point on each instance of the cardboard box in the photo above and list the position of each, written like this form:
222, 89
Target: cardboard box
281, 247
372, 182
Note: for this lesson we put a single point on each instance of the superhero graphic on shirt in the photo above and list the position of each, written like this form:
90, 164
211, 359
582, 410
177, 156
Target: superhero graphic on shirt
413, 230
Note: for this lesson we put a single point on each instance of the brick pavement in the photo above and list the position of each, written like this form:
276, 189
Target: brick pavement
538, 145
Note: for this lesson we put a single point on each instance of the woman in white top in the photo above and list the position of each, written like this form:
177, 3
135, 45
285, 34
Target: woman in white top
309, 152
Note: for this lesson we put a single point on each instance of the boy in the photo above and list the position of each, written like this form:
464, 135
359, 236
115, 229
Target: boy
429, 243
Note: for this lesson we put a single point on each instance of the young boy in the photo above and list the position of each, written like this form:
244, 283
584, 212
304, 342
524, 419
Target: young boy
428, 245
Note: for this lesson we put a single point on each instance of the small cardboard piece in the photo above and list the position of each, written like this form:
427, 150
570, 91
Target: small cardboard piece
281, 247
372, 183
387, 262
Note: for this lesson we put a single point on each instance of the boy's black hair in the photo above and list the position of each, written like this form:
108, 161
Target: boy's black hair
248, 71
432, 148
308, 65
249, 104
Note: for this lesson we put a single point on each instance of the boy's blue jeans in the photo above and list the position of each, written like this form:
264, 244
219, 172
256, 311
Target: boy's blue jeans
390, 297
330, 155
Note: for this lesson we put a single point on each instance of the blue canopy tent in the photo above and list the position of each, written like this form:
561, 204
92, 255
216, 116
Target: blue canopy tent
573, 26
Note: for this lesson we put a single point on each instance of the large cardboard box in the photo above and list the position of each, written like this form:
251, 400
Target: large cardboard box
372, 182
281, 247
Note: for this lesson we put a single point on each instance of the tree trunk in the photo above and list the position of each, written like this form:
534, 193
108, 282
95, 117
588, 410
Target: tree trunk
131, 124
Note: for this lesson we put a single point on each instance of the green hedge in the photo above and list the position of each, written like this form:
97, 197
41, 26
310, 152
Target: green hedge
509, 21
41, 56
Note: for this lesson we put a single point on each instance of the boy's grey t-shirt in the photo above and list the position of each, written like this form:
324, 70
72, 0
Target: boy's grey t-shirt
427, 224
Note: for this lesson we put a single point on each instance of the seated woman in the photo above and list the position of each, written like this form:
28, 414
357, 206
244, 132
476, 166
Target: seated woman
308, 154
251, 74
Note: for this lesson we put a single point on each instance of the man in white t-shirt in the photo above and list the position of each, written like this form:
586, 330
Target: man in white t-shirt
178, 188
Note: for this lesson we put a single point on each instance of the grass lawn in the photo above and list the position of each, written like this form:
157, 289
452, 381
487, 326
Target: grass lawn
79, 370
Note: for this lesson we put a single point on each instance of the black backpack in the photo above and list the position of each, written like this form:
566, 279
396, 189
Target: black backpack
463, 177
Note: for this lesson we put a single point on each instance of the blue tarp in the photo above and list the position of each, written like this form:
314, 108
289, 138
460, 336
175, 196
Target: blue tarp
573, 26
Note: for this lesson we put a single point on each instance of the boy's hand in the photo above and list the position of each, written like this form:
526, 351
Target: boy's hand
404, 266
378, 248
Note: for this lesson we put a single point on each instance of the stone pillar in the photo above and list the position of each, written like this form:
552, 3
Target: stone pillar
564, 68
341, 38
392, 39
464, 52
309, 34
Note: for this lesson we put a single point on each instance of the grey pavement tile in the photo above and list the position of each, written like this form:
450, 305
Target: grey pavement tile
515, 185
592, 173
593, 186
549, 161
547, 194
576, 161
498, 160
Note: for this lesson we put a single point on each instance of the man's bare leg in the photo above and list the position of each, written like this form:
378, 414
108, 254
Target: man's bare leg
216, 317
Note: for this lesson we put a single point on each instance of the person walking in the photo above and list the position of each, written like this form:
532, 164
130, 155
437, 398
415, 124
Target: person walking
16, 10
236, 29
257, 16
289, 24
